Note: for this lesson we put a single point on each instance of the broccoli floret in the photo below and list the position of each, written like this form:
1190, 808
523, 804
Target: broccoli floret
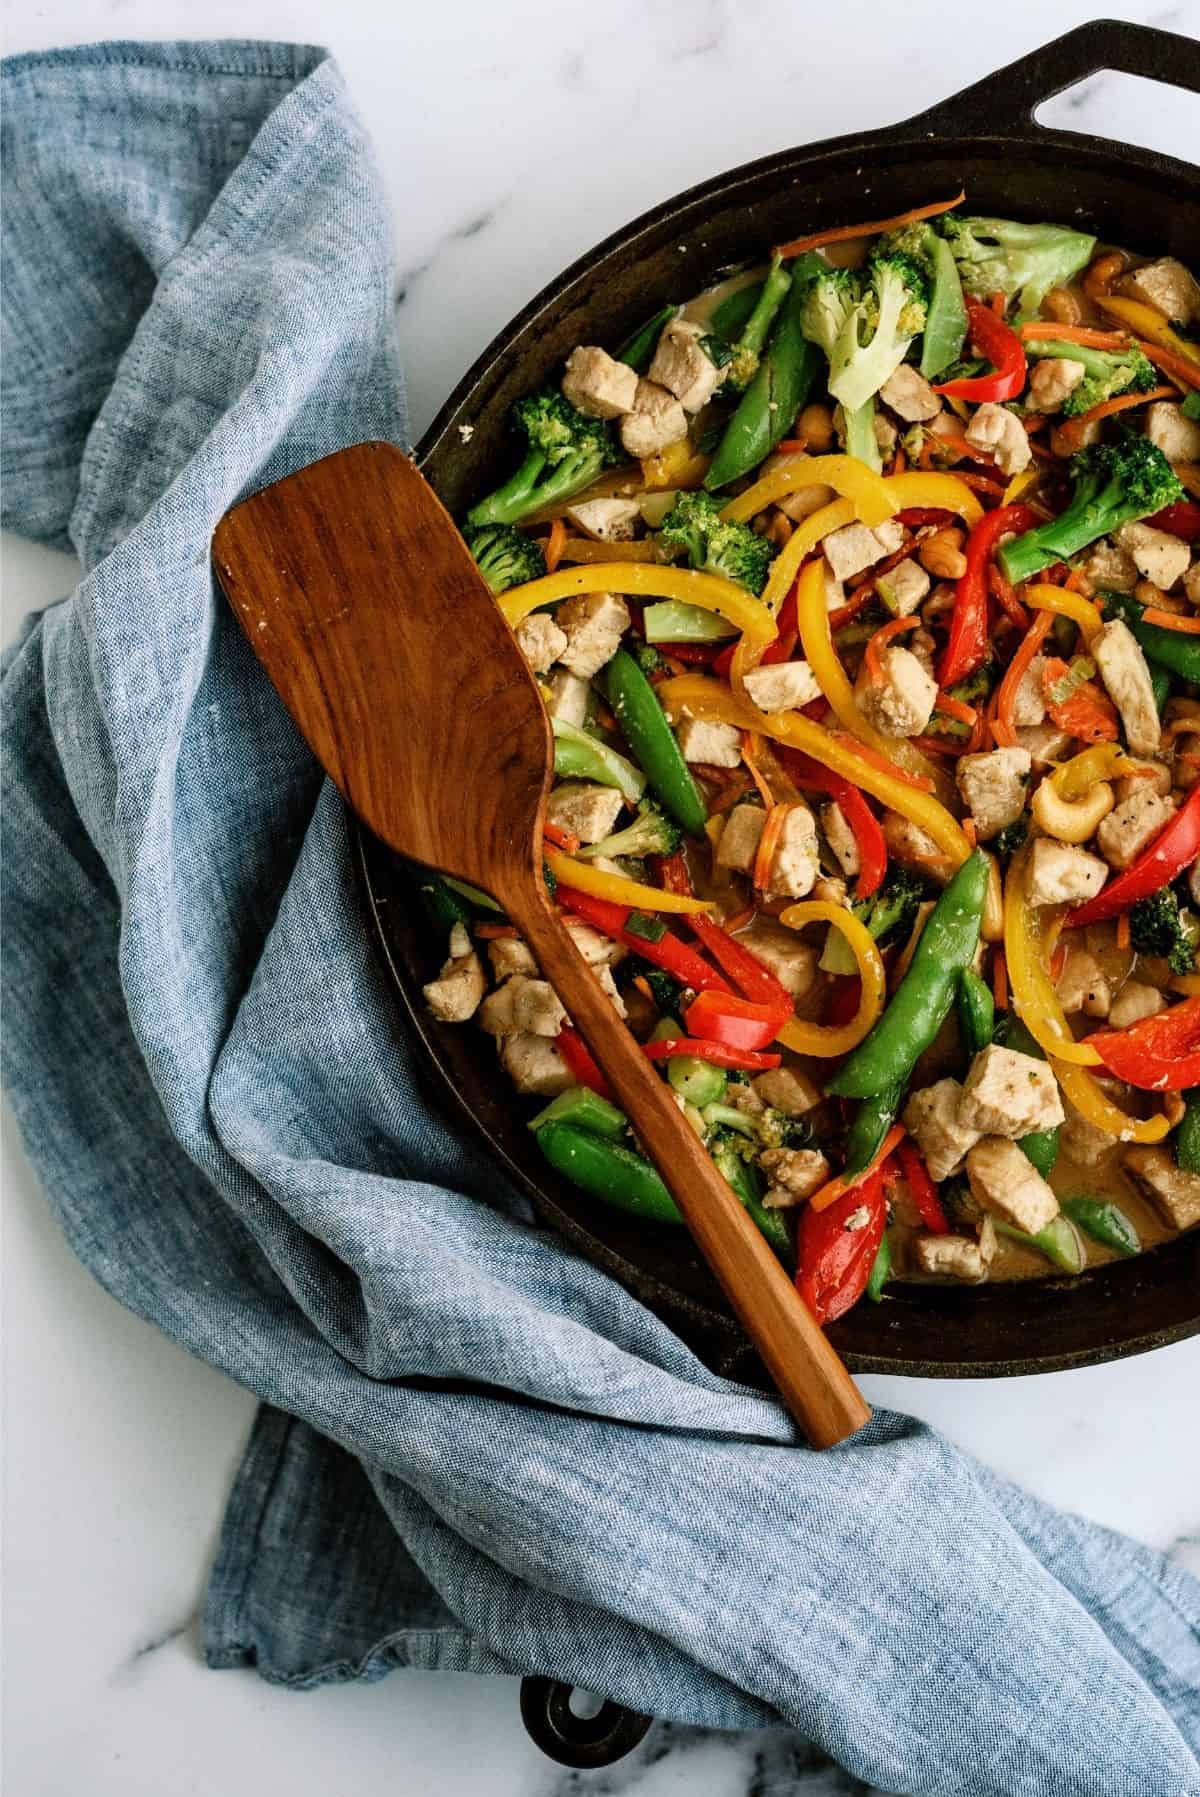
652, 832
1114, 484
506, 556
879, 329
1108, 372
775, 1129
1006, 256
1157, 927
743, 358
664, 990
828, 305
894, 906
694, 527
565, 451
1006, 842
915, 241
649, 659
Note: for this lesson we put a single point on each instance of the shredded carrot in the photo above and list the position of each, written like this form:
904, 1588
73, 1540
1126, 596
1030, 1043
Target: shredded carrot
768, 842
566, 840
843, 233
958, 443
1169, 620
970, 832
998, 303
939, 745
1039, 331
1187, 373
1003, 728
1123, 930
883, 636
643, 986
750, 751
496, 932
954, 708
555, 544
1002, 592
899, 462
1058, 961
1000, 980
834, 1189
1075, 429
981, 483
739, 920
921, 782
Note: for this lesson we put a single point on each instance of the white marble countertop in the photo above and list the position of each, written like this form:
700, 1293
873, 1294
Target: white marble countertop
119, 1447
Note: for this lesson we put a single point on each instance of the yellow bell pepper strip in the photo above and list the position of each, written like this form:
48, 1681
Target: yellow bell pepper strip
836, 1039
584, 549
1020, 484
1103, 761
785, 567
1029, 935
1149, 322
943, 492
1091, 1102
615, 887
812, 615
1081, 611
710, 700
710, 591
851, 478
1187, 983
675, 467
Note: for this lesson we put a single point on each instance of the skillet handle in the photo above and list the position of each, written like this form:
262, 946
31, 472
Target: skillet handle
583, 1742
1006, 101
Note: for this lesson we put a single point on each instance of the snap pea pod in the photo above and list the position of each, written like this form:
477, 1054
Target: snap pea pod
645, 728
1104, 1222
1172, 649
881, 1270
474, 897
746, 1183
1059, 1242
976, 1011
637, 352
608, 1171
785, 378
443, 906
872, 1120
1187, 1136
1160, 683
1041, 1147
584, 1109
925, 994
946, 317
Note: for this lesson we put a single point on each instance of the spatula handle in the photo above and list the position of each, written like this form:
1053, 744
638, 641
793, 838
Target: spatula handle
811, 1379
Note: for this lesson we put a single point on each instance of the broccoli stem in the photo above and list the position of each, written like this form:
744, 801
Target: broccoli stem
512, 500
861, 441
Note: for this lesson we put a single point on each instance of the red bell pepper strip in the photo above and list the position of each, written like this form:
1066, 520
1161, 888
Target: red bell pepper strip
968, 646
716, 1052
990, 337
1174, 848
924, 1192
914, 516
669, 953
865, 826
833, 1261
701, 654
843, 1000
781, 648
580, 1065
1182, 519
752, 979
1159, 1054
736, 1022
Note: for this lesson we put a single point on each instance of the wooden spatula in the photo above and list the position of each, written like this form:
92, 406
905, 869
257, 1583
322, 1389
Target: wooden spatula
369, 615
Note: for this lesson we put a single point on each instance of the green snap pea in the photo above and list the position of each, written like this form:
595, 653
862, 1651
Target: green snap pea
1060, 1242
1041, 1148
730, 318
976, 1011
637, 352
872, 1120
925, 994
1104, 1222
609, 1171
584, 1109
645, 728
946, 318
443, 906
474, 897
1160, 682
1187, 1136
1171, 649
785, 378
881, 1270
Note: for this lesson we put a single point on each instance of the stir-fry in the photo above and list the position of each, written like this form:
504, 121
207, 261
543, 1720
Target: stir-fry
863, 593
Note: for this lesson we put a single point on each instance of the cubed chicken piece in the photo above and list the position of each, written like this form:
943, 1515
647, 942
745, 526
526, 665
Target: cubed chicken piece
656, 421
1191, 584
597, 950
508, 955
497, 1012
536, 1008
1001, 435
886, 435
835, 591
932, 1119
1009, 1094
794, 1175
903, 587
789, 1090
540, 641
1053, 381
455, 994
1168, 285
1174, 1194
795, 863
585, 809
1157, 554
568, 699
1083, 986
1046, 743
1029, 705
901, 704
913, 847
597, 384
608, 520
534, 1065
782, 686
739, 839
1083, 1141
1058, 874
720, 745
595, 624
889, 535
1004, 1182
841, 839
1125, 832
1152, 776
744, 1098
1134, 1001
805, 501
1123, 669
853, 548
950, 1256
910, 395
609, 987
994, 787
793, 962
1109, 569
681, 365
1169, 430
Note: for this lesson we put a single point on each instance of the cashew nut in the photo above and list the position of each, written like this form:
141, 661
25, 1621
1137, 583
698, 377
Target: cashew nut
1071, 820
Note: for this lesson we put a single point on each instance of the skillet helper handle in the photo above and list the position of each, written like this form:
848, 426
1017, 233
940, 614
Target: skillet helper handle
812, 1381
1007, 100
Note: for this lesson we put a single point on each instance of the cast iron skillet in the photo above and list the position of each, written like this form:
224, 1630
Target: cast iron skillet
986, 139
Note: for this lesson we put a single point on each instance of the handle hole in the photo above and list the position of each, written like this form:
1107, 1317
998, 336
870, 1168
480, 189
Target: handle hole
584, 1704
1126, 108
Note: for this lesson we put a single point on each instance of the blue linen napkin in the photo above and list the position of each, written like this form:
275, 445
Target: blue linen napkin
476, 1450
